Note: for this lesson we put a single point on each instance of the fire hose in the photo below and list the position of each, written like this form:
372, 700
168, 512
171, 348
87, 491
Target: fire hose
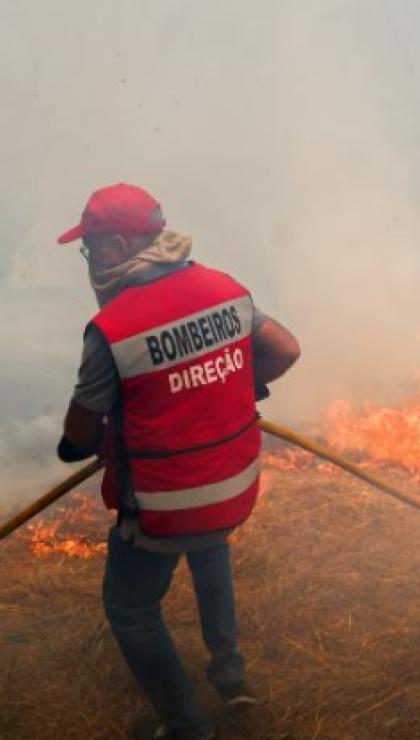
267, 426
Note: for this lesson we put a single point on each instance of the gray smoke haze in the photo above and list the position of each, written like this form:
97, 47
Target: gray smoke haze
282, 136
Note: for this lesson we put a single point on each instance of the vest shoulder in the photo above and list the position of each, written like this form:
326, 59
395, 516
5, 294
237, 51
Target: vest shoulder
224, 278
180, 293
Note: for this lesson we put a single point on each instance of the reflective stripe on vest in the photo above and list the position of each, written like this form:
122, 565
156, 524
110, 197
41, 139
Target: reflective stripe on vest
192, 337
188, 498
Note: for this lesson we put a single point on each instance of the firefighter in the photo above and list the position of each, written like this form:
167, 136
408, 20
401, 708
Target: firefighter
172, 365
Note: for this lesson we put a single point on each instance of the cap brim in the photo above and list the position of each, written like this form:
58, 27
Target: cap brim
71, 235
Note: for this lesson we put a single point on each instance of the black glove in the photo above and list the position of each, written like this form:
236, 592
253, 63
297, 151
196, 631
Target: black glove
67, 452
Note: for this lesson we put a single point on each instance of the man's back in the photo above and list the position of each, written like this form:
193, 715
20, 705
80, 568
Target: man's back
187, 399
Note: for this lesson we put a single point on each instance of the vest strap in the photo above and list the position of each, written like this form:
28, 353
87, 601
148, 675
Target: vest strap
157, 454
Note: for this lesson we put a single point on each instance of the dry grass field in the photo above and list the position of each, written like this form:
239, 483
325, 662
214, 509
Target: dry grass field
327, 575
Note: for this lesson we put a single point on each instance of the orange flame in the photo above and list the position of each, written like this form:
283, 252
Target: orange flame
383, 434
61, 536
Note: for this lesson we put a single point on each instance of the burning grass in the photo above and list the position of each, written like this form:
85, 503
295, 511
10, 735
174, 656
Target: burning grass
328, 597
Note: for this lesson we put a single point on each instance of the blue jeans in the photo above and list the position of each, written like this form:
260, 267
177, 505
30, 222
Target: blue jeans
135, 582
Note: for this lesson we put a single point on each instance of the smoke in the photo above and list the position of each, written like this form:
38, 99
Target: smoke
26, 459
282, 137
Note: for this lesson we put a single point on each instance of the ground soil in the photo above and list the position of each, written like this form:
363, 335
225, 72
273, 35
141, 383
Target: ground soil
328, 599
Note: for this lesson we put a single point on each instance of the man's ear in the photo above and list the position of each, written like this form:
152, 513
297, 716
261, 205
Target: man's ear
121, 245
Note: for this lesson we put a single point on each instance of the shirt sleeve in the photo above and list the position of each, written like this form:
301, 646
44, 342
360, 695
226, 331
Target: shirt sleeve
258, 318
98, 385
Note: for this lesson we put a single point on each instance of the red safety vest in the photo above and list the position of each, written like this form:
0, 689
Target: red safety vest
182, 348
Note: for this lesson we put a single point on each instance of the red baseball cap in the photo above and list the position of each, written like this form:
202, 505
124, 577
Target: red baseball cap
121, 209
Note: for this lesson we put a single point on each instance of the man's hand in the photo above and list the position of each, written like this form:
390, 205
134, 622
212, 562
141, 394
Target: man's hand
83, 432
275, 349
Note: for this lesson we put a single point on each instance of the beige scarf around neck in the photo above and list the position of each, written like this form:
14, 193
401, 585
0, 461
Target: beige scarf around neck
167, 248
